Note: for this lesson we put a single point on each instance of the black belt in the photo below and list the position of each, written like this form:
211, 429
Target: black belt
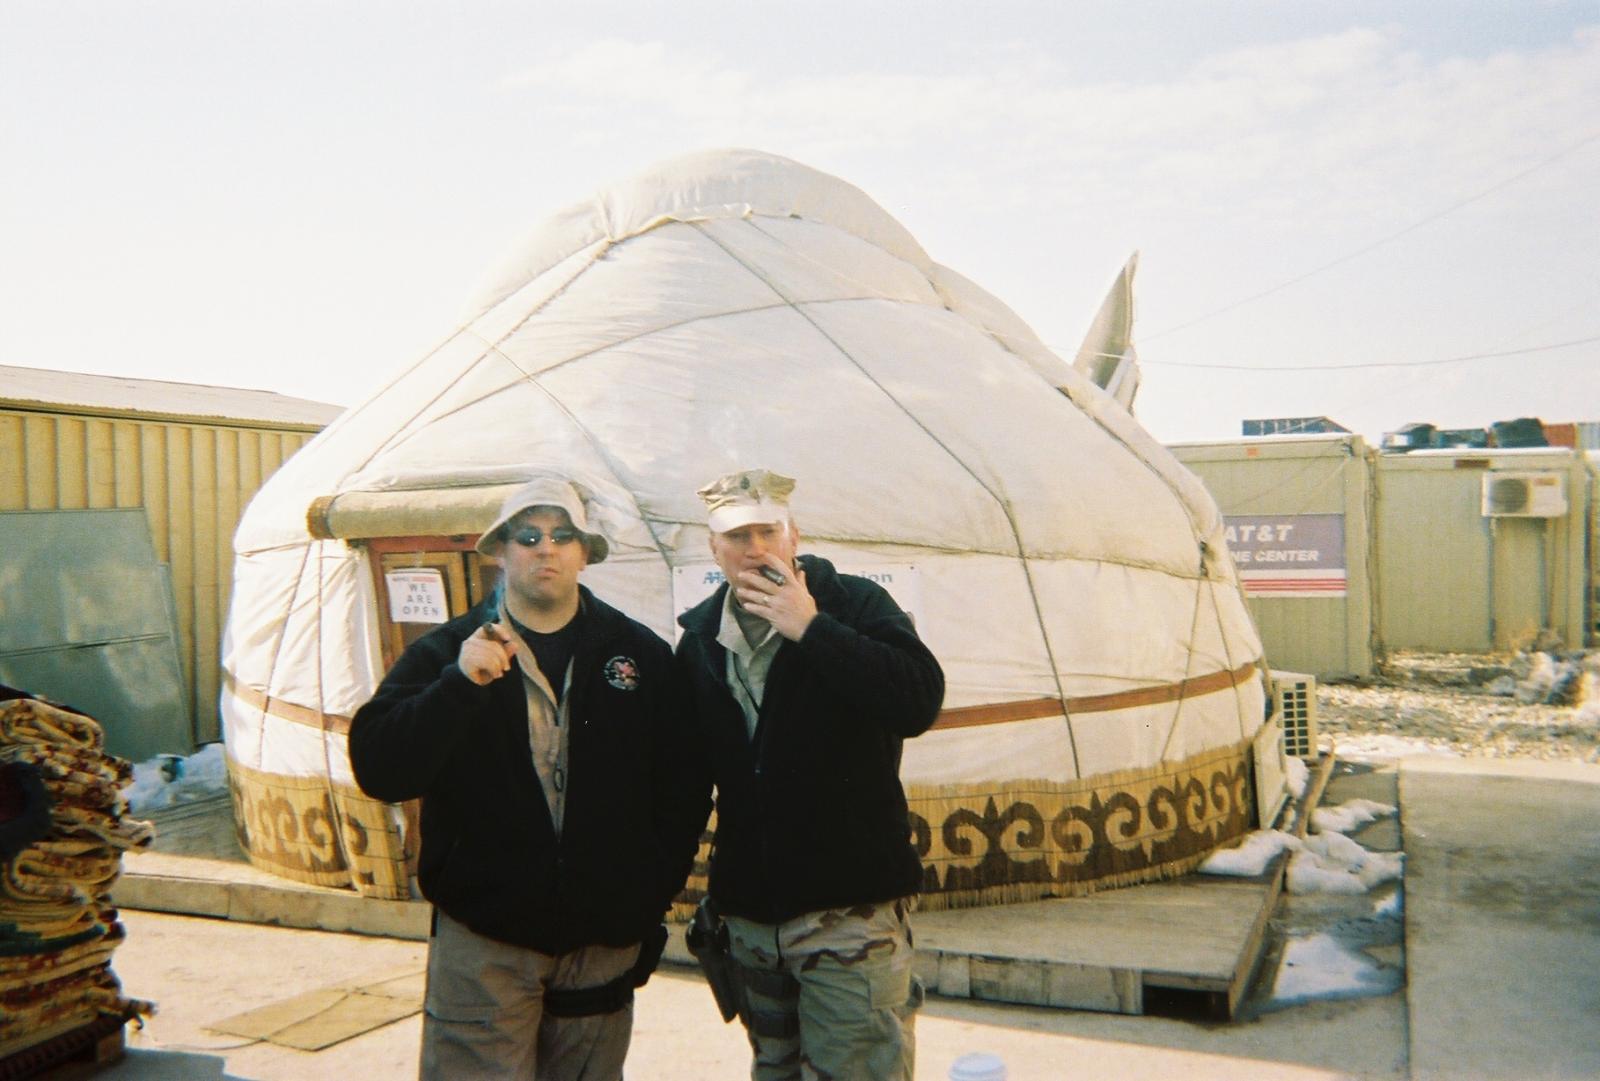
613, 996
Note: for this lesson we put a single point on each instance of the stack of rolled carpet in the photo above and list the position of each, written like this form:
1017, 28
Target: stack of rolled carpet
62, 835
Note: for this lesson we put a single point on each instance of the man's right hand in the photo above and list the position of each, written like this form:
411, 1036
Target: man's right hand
486, 656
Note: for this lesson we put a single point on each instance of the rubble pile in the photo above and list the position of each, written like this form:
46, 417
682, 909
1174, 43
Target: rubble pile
62, 835
1542, 705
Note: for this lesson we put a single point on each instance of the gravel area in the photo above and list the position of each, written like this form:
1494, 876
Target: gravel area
1523, 705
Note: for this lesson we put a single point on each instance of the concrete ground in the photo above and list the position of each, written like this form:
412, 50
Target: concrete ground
203, 970
1501, 948
1503, 919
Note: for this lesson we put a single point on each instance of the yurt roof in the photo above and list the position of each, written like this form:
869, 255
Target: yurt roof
731, 309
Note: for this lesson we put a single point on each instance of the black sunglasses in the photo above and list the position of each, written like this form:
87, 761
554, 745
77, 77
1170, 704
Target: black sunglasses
530, 536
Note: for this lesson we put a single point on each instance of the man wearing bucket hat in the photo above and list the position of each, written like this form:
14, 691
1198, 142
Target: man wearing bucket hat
543, 732
804, 683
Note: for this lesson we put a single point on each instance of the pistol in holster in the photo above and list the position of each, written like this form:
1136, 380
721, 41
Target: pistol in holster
707, 939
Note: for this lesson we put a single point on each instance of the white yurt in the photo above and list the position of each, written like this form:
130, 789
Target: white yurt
733, 309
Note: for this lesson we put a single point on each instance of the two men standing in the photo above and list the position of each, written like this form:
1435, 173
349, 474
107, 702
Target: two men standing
565, 764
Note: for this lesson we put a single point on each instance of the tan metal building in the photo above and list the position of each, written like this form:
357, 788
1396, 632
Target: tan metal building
190, 455
1592, 457
1484, 549
1299, 513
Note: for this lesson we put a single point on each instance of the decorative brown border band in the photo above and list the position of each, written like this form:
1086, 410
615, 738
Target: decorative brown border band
1034, 708
285, 711
1030, 709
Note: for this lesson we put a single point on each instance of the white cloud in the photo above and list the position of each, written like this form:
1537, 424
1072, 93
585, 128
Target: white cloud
1352, 112
1234, 173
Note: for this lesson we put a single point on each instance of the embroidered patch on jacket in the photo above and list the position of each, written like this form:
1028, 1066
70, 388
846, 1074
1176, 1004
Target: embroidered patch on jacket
622, 673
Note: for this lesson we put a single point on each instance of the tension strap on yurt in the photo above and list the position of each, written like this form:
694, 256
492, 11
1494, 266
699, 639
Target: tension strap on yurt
1035, 708
285, 711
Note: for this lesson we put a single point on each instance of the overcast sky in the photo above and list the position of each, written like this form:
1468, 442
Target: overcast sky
302, 196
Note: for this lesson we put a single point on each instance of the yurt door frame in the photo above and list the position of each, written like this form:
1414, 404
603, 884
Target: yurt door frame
464, 577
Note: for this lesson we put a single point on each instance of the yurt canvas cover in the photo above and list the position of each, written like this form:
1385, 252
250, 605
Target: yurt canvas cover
731, 310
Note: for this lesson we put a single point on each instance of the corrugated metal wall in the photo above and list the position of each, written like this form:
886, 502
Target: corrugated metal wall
193, 480
1328, 636
1453, 579
1592, 458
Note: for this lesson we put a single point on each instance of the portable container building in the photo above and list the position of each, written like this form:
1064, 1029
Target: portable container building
1484, 549
190, 455
1592, 618
1299, 525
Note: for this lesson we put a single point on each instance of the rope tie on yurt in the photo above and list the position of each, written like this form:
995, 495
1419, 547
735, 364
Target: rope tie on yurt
1001, 502
1227, 653
277, 650
533, 379
611, 468
1188, 664
341, 845
404, 431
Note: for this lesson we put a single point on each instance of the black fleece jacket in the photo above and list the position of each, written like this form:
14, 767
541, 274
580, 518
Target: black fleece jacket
810, 813
490, 856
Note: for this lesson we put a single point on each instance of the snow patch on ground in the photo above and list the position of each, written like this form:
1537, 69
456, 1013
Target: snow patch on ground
1333, 863
169, 779
1320, 967
1382, 747
1350, 815
1251, 857
1296, 773
1588, 711
1326, 862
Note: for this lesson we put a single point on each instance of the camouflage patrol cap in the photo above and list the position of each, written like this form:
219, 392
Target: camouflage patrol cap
746, 498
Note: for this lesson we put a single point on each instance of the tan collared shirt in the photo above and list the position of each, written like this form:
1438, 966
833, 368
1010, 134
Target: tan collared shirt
748, 662
547, 724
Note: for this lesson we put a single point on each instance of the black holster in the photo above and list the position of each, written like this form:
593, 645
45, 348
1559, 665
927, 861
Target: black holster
707, 939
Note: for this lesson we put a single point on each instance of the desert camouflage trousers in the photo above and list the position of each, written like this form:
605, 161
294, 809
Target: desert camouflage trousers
830, 995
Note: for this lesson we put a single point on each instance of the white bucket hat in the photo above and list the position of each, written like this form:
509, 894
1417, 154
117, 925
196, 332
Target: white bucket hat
545, 492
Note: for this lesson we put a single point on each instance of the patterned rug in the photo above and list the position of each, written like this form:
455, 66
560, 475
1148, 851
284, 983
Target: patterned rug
57, 926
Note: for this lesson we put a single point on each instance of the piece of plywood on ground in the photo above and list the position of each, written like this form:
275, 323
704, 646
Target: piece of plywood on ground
317, 1019
1199, 933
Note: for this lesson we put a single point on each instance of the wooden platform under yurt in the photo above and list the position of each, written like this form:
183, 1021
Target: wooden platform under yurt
1187, 946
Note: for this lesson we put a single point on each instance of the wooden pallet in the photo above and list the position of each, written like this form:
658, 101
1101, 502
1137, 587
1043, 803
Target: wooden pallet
1187, 947
77, 1052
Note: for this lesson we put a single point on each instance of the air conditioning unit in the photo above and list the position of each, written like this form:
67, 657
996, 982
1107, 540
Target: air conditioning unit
1524, 495
1296, 693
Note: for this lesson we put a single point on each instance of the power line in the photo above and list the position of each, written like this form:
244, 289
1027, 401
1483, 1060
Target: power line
1372, 364
1580, 144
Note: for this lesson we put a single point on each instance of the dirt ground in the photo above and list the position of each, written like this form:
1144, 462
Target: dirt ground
1513, 705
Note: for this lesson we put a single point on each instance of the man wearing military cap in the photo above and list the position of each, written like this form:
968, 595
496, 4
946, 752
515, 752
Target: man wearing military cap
804, 682
543, 732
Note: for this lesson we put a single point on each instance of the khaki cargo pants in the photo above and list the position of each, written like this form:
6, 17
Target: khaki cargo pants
830, 995
483, 1016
